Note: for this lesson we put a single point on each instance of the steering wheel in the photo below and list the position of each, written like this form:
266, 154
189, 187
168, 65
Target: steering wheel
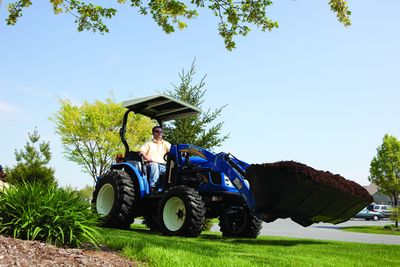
187, 160
165, 157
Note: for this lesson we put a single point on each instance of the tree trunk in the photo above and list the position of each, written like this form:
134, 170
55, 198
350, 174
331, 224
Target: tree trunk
396, 202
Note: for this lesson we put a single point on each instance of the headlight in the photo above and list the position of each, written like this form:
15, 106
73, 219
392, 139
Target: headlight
247, 183
228, 182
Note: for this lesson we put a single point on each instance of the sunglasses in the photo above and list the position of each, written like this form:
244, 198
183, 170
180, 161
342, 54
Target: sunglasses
157, 131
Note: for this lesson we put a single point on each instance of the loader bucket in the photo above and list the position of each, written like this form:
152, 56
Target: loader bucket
289, 189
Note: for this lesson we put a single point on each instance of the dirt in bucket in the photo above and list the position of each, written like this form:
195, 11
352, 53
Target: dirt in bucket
292, 189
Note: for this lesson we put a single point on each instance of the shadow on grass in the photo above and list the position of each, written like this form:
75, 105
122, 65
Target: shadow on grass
328, 227
264, 241
137, 240
218, 238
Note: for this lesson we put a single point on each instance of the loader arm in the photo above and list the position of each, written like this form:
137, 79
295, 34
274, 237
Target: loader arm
285, 189
235, 171
225, 163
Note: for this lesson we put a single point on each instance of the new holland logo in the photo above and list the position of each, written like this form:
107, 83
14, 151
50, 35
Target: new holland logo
192, 150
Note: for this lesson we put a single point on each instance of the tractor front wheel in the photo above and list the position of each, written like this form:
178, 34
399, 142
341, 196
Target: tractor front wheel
238, 221
182, 212
114, 199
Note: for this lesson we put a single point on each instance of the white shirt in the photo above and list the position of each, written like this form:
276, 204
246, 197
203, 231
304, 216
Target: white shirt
156, 150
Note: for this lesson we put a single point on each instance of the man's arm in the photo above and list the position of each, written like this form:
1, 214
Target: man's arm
145, 157
143, 152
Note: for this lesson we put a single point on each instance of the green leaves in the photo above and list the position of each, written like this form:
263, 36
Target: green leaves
196, 129
90, 133
235, 17
340, 7
166, 13
15, 10
87, 16
31, 163
385, 168
386, 164
54, 215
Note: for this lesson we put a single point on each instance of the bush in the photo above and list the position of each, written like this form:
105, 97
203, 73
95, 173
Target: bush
208, 224
47, 213
391, 227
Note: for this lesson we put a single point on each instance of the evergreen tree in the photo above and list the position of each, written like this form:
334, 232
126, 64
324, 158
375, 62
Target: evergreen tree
31, 163
197, 129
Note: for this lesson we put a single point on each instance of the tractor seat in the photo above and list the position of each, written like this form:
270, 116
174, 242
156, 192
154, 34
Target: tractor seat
133, 155
136, 160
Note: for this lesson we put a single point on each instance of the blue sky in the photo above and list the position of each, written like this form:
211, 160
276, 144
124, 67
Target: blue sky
310, 91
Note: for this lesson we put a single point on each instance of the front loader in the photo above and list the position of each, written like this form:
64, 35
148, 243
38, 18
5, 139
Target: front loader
201, 184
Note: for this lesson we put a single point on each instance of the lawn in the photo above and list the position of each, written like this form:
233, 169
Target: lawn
371, 230
211, 249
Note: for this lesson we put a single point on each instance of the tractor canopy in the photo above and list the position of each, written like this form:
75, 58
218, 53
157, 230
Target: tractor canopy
157, 107
161, 107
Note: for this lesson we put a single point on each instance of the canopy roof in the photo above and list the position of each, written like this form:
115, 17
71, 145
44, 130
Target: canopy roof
161, 107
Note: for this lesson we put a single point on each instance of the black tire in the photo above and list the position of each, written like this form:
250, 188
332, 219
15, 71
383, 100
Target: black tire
182, 212
375, 218
238, 221
114, 199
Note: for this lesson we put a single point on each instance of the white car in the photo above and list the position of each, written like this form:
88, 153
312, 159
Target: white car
385, 209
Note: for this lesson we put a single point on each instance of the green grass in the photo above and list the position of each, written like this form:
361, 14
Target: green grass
371, 230
210, 249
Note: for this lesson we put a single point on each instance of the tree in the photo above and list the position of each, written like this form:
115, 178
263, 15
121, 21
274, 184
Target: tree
90, 133
385, 169
31, 163
235, 17
86, 192
195, 129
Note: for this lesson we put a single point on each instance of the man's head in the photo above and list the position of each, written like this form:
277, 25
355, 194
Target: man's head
157, 132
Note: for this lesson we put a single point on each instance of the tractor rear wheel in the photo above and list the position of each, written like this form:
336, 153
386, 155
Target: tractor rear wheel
182, 212
238, 221
114, 199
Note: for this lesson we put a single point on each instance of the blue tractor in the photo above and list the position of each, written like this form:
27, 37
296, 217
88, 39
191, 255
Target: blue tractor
201, 184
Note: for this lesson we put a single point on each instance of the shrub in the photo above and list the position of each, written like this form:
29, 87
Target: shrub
208, 224
391, 227
47, 213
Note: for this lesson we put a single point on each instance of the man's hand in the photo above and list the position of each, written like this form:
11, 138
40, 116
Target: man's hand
145, 157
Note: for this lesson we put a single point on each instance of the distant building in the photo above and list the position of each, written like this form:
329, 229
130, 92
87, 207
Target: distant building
379, 198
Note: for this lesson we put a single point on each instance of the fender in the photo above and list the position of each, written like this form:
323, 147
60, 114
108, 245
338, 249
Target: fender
133, 171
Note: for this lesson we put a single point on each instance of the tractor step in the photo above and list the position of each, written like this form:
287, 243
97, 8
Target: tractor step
289, 189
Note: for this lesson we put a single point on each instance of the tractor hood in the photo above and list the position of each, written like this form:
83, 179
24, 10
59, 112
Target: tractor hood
161, 107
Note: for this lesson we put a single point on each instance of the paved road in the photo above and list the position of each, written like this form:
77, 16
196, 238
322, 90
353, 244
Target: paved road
286, 227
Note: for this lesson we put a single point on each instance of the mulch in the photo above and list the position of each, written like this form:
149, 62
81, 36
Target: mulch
25, 253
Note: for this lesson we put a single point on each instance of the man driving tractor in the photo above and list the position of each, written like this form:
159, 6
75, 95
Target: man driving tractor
153, 153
